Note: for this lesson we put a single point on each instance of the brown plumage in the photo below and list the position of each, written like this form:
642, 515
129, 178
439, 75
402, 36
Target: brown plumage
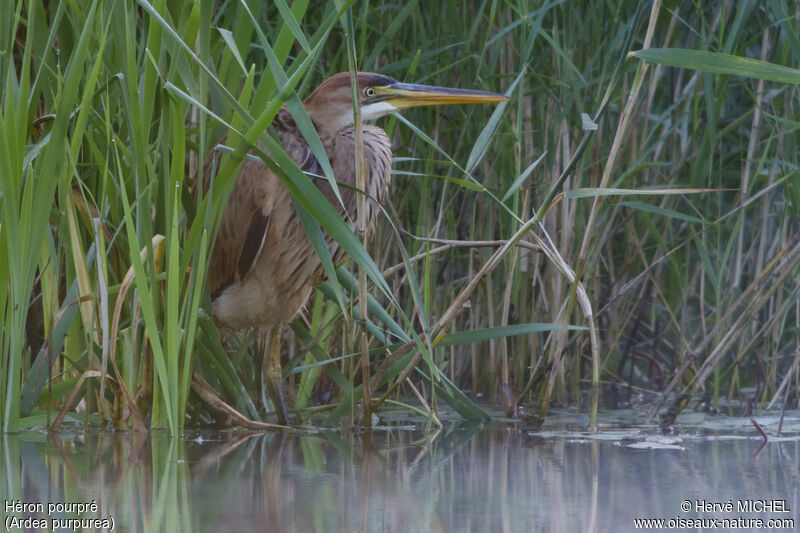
263, 266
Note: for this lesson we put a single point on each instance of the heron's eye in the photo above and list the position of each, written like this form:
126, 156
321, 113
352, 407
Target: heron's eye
369, 91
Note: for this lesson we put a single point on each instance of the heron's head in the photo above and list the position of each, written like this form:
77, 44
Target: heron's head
331, 105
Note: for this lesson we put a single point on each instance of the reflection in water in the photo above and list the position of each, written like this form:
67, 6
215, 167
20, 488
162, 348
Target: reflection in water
462, 480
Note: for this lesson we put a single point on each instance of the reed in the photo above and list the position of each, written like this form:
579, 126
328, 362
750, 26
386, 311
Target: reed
628, 220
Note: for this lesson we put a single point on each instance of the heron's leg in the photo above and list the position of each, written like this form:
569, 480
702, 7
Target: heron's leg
273, 377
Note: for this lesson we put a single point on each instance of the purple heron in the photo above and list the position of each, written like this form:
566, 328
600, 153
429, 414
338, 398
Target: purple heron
263, 266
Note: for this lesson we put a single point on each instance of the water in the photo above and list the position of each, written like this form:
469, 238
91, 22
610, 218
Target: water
498, 478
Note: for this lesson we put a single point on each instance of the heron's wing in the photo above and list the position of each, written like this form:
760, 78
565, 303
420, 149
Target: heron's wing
245, 223
243, 229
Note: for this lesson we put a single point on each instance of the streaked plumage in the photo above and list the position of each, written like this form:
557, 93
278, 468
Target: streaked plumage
263, 266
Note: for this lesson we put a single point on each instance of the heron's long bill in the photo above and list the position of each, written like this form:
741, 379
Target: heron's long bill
402, 95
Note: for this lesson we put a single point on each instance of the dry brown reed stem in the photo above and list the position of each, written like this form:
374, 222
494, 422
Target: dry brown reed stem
452, 311
624, 121
753, 298
504, 356
641, 275
758, 294
764, 438
787, 377
458, 304
449, 244
127, 281
71, 398
361, 184
747, 169
504, 377
204, 391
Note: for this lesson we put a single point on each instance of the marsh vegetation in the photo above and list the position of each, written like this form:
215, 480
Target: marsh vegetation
628, 221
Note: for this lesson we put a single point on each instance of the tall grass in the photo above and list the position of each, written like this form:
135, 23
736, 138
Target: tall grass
628, 221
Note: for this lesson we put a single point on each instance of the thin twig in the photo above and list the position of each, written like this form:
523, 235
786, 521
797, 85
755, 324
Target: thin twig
207, 394
763, 436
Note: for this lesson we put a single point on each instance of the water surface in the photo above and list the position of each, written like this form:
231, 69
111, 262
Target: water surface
470, 478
